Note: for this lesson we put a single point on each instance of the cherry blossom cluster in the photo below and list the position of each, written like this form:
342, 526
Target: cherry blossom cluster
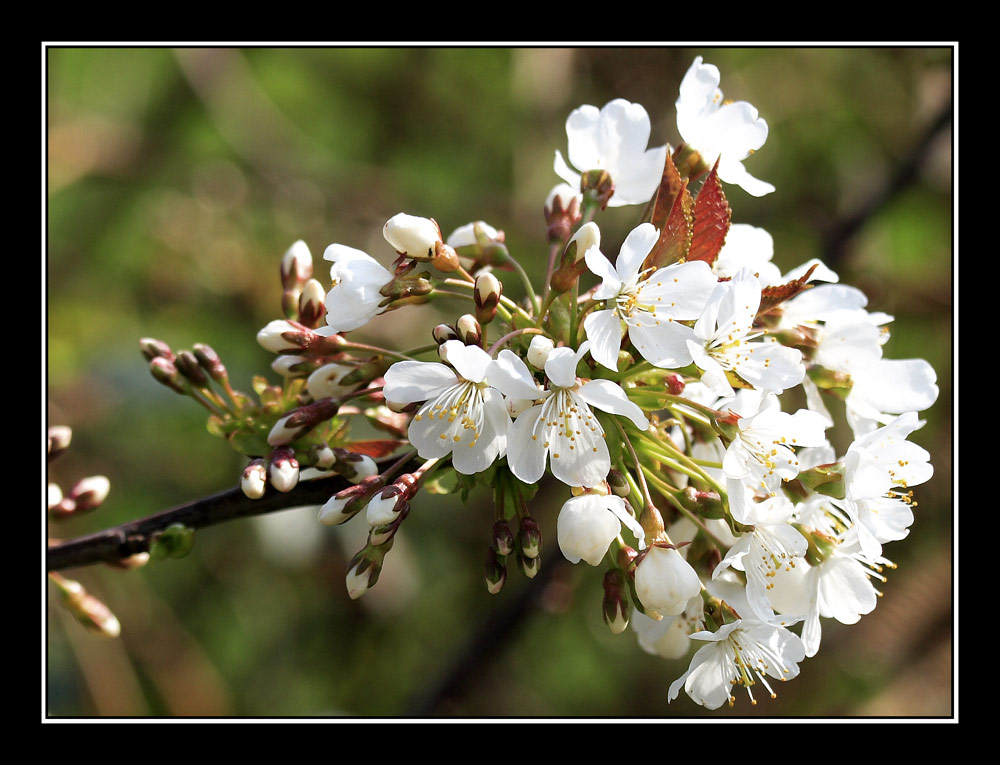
680, 389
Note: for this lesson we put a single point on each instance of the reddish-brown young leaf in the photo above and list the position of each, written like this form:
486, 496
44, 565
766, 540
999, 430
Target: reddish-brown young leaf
671, 184
675, 233
771, 297
711, 220
375, 448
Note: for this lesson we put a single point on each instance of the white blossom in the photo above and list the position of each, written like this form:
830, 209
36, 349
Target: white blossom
354, 298
725, 131
613, 139
650, 304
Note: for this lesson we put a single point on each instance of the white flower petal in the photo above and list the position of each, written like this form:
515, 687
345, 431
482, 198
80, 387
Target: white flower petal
609, 397
410, 381
511, 376
604, 331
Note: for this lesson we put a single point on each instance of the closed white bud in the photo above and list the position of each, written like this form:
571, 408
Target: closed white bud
412, 236
296, 264
384, 508
54, 495
564, 194
465, 236
325, 381
283, 471
88, 493
539, 350
289, 365
665, 582
364, 467
253, 482
588, 236
271, 337
332, 513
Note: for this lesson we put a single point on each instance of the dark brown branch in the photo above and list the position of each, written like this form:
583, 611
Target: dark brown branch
134, 537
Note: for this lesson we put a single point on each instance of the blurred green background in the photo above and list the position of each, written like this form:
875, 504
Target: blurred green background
177, 179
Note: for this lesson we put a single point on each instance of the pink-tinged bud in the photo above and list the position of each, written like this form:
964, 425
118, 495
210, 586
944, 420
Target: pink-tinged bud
211, 362
503, 538
412, 236
469, 330
442, 333
164, 371
151, 348
615, 605
59, 437
562, 212
311, 306
283, 469
300, 421
296, 265
253, 482
486, 296
85, 608
529, 537
326, 382
89, 493
187, 364
496, 572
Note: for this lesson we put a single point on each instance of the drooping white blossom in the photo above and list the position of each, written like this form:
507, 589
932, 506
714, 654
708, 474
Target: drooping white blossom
354, 298
463, 415
648, 304
725, 131
665, 581
589, 523
613, 139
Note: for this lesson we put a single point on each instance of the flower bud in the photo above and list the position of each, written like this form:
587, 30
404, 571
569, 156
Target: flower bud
496, 572
469, 330
293, 366
364, 570
164, 371
381, 534
322, 457
151, 348
347, 503
503, 538
300, 421
412, 236
89, 493
85, 608
311, 306
618, 483
296, 265
253, 482
283, 469
562, 212
284, 336
529, 566
211, 362
664, 581
53, 495
442, 333
529, 537
59, 437
445, 258
475, 236
325, 382
486, 296
187, 364
132, 562
615, 605
385, 507
572, 264
353, 466
538, 351
175, 541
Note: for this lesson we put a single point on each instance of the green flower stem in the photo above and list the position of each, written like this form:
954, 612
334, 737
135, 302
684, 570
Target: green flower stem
421, 349
375, 349
670, 494
554, 249
529, 288
670, 455
526, 331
